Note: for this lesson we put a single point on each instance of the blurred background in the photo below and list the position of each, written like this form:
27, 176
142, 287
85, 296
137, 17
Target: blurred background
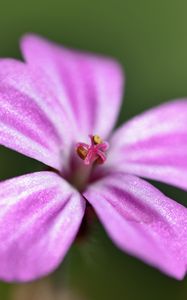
149, 38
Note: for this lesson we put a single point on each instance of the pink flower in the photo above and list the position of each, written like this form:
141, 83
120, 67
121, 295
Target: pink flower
59, 108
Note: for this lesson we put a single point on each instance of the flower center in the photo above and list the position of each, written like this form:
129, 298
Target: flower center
93, 153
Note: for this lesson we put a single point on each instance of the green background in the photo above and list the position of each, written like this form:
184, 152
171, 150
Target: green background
149, 38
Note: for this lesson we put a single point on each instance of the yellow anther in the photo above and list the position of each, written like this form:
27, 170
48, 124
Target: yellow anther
97, 140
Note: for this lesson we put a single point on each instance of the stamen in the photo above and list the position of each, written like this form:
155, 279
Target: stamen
95, 152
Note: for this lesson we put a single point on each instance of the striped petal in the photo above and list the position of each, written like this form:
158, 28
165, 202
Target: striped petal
90, 86
32, 121
154, 144
142, 221
40, 214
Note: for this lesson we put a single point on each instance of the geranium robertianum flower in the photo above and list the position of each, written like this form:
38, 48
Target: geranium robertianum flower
59, 108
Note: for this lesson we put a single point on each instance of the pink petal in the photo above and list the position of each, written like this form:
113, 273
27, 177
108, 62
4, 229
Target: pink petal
32, 121
91, 86
154, 144
142, 221
39, 217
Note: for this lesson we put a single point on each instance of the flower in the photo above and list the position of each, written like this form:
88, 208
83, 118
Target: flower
59, 107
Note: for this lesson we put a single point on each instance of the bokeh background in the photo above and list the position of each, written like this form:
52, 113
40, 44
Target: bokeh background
149, 38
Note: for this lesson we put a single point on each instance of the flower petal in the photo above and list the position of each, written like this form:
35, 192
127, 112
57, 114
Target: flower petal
154, 144
142, 221
90, 85
32, 121
39, 217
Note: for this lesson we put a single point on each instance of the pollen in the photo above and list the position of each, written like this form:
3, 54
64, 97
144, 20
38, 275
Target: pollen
95, 152
97, 140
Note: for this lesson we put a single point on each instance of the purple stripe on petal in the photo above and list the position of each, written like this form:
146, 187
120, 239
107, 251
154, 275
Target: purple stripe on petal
142, 221
18, 111
40, 214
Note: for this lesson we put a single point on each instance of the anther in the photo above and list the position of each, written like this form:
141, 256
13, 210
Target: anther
97, 140
82, 152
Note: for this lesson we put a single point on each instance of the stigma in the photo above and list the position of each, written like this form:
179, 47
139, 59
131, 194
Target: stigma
95, 152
